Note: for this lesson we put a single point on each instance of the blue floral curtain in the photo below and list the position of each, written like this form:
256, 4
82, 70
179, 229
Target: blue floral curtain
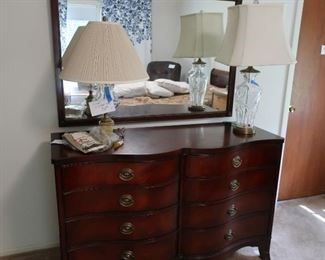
134, 15
63, 8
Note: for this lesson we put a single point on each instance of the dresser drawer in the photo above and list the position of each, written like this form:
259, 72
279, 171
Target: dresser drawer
202, 190
126, 198
232, 159
121, 227
144, 173
208, 215
207, 241
161, 249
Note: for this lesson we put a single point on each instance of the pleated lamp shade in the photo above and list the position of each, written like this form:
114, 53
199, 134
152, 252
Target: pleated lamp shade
201, 35
101, 53
255, 36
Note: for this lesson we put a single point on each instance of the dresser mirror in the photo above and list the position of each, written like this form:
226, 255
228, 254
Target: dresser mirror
153, 27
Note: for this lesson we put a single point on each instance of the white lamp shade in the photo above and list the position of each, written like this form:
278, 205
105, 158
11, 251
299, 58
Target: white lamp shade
201, 35
255, 36
72, 45
101, 53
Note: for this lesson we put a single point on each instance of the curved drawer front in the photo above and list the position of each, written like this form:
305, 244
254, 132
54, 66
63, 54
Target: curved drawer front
121, 227
209, 215
207, 241
255, 156
161, 249
146, 173
108, 198
202, 190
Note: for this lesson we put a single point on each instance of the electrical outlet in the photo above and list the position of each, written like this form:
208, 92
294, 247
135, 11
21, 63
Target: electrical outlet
322, 50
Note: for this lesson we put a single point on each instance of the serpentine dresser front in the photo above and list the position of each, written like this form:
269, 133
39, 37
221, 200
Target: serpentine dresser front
181, 192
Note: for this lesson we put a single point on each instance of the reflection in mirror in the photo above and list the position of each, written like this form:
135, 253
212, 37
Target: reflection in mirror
153, 27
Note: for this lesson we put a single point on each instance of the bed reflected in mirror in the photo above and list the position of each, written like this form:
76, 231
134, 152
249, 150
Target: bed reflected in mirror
153, 27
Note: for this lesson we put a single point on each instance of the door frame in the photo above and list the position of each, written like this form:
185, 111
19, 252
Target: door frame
294, 41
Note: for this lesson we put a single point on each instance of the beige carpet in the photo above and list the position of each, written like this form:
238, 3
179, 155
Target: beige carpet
298, 231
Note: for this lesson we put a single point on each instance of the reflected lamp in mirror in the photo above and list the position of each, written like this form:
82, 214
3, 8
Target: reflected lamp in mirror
254, 37
101, 54
201, 37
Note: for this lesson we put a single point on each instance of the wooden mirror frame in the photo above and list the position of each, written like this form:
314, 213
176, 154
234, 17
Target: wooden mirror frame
124, 114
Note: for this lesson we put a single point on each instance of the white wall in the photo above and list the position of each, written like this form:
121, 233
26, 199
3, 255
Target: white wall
28, 217
28, 116
166, 27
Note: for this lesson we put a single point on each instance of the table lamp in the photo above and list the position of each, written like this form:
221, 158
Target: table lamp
201, 37
101, 53
254, 37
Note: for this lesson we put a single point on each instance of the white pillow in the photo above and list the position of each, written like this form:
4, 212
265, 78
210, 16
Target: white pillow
154, 91
130, 90
174, 86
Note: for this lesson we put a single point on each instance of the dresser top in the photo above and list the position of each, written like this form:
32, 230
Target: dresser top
153, 141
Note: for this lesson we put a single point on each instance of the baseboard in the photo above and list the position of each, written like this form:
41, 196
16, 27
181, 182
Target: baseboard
44, 254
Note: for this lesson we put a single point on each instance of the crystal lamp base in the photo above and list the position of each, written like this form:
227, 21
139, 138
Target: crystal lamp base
247, 98
198, 84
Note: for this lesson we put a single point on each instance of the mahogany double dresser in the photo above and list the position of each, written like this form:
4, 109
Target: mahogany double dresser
180, 192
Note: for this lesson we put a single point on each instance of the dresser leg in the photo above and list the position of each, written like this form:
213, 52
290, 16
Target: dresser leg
264, 252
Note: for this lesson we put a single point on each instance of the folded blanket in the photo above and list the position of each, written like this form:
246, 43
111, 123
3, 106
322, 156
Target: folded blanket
130, 90
174, 86
155, 91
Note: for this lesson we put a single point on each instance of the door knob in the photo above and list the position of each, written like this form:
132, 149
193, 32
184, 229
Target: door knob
292, 109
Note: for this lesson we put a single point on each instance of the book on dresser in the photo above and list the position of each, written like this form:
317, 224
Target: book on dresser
178, 192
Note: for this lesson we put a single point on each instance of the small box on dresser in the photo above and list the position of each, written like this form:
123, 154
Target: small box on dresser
181, 192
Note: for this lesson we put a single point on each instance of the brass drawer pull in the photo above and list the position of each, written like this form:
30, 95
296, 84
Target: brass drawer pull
126, 174
232, 211
237, 161
234, 185
126, 200
127, 255
127, 228
229, 236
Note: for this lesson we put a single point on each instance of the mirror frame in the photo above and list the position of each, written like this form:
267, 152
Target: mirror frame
129, 116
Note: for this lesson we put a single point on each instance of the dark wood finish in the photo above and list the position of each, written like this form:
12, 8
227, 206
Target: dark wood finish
205, 214
158, 112
150, 112
162, 70
221, 163
169, 193
303, 164
103, 227
157, 143
201, 242
202, 190
219, 78
78, 176
57, 60
61, 212
135, 113
101, 199
157, 249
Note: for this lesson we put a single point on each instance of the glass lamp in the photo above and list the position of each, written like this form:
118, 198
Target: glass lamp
254, 37
201, 37
101, 54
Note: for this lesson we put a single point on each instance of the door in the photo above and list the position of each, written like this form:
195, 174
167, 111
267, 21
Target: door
303, 170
